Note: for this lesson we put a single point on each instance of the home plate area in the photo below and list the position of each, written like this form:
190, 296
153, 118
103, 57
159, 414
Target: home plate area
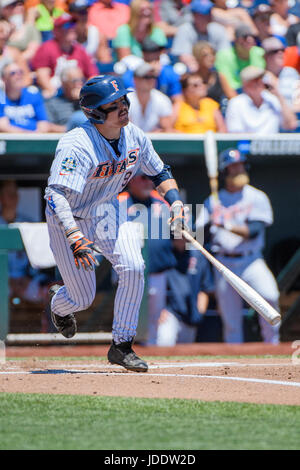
260, 380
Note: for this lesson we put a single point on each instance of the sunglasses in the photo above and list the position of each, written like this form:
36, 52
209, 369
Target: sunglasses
275, 51
16, 72
15, 4
149, 77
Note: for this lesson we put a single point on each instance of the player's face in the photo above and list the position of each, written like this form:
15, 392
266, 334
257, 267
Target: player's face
236, 177
117, 112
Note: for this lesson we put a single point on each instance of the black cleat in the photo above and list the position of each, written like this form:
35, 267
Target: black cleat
123, 355
64, 325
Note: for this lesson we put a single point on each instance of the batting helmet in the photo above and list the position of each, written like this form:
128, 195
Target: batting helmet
229, 156
99, 90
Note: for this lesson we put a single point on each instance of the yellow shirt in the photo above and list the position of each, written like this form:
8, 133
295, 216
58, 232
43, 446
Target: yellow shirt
191, 121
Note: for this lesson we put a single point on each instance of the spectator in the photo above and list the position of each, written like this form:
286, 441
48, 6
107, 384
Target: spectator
231, 17
8, 53
173, 13
107, 16
291, 34
51, 56
25, 282
168, 81
202, 28
281, 19
61, 107
218, 87
43, 16
292, 55
274, 55
237, 230
188, 286
244, 52
141, 25
149, 109
261, 18
144, 204
21, 108
258, 110
88, 35
197, 113
24, 37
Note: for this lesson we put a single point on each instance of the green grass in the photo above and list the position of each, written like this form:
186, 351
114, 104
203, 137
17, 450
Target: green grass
33, 421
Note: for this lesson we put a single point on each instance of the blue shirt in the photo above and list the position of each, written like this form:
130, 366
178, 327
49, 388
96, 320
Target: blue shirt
192, 275
25, 112
168, 81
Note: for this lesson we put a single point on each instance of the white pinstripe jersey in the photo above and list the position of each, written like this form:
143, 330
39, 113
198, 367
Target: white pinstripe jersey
87, 164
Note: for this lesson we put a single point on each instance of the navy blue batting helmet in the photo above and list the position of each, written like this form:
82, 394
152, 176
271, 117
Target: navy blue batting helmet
99, 90
229, 156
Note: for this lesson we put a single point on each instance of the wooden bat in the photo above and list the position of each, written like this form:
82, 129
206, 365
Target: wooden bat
211, 161
244, 290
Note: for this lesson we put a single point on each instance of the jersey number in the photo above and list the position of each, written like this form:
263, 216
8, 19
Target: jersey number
126, 178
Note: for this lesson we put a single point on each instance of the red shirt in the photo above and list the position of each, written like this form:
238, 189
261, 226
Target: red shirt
49, 53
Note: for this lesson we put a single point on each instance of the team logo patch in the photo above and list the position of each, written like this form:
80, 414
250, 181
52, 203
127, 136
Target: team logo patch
68, 165
115, 85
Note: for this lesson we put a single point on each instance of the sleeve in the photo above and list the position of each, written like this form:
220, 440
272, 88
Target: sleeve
151, 163
41, 58
233, 119
56, 197
159, 37
122, 38
90, 68
261, 209
165, 108
174, 87
70, 167
182, 43
225, 65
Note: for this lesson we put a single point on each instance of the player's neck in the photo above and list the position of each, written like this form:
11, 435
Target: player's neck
108, 132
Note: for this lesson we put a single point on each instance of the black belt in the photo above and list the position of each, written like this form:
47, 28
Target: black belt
235, 255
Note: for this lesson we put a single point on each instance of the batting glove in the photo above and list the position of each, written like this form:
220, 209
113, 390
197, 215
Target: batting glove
178, 217
82, 250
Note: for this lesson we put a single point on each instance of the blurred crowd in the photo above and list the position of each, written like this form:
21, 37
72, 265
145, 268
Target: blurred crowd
194, 65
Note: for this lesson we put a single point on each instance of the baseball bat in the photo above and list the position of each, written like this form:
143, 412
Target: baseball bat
211, 161
244, 290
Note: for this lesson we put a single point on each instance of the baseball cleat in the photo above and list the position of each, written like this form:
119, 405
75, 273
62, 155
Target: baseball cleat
123, 355
64, 325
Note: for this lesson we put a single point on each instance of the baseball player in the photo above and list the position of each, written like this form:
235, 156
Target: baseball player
92, 165
236, 226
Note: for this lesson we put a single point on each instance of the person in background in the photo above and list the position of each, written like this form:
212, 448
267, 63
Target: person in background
231, 17
24, 36
281, 19
25, 282
168, 81
144, 203
244, 52
8, 53
202, 28
149, 109
172, 14
52, 56
188, 287
141, 24
218, 87
107, 16
60, 108
292, 55
43, 16
197, 113
236, 226
259, 109
261, 18
22, 108
293, 30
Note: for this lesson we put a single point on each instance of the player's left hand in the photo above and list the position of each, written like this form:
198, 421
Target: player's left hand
178, 215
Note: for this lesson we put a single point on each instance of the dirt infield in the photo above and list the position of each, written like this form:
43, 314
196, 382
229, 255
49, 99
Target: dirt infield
257, 380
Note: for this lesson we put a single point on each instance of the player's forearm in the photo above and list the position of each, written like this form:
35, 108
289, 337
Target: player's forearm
166, 186
59, 205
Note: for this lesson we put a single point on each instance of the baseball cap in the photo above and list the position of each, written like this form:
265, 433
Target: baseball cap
148, 45
242, 31
79, 5
272, 44
6, 3
251, 73
65, 21
262, 10
201, 6
144, 70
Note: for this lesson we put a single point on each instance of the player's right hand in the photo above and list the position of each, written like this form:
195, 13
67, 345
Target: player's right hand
82, 250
